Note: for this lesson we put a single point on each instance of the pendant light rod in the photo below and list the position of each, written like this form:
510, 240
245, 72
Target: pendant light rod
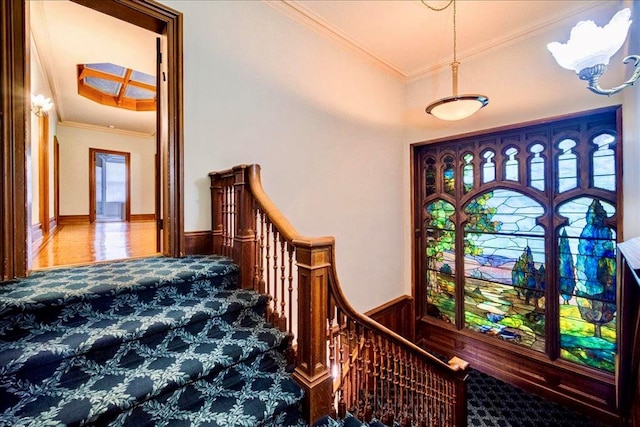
455, 107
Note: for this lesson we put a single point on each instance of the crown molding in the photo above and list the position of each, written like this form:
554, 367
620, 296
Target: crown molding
296, 11
105, 129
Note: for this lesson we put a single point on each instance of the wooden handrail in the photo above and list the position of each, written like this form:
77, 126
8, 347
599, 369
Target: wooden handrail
249, 227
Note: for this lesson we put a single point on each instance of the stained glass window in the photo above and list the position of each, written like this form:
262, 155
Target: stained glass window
523, 252
536, 167
488, 168
604, 164
449, 175
567, 166
511, 165
504, 268
587, 266
467, 173
440, 260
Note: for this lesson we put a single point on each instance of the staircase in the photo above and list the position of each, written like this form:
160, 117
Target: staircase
156, 341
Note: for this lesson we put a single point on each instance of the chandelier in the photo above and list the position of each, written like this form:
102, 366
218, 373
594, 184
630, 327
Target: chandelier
455, 107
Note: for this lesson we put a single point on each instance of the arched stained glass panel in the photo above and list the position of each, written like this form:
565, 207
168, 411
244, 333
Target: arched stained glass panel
449, 176
511, 165
536, 167
430, 176
567, 166
488, 167
467, 173
604, 162
440, 260
504, 281
587, 283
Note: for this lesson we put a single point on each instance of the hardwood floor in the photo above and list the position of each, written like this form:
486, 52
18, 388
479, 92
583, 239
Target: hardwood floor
101, 241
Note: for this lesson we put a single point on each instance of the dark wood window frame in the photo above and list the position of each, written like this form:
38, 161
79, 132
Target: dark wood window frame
544, 372
93, 152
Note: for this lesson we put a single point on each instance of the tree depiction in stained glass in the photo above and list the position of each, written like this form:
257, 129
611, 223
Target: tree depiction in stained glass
588, 311
596, 288
567, 269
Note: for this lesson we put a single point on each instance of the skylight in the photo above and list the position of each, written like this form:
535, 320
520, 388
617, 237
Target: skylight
117, 86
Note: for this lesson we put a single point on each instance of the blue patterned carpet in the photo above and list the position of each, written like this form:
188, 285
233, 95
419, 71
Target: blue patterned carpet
155, 341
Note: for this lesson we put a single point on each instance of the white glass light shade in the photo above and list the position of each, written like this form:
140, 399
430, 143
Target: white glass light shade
40, 104
590, 45
457, 107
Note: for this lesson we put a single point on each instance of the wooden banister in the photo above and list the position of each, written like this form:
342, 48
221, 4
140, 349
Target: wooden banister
343, 359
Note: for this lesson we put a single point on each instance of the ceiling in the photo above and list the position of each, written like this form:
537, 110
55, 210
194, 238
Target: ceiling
402, 37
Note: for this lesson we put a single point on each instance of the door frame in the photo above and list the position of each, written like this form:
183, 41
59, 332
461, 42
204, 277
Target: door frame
93, 152
15, 122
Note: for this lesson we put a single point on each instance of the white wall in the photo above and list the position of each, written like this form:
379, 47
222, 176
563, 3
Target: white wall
74, 166
325, 126
332, 133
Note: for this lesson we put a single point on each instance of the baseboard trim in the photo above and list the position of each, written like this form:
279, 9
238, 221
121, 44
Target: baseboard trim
198, 242
73, 219
143, 217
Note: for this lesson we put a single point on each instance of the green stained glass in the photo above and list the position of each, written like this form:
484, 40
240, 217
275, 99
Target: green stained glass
440, 260
505, 277
587, 277
604, 163
449, 177
467, 173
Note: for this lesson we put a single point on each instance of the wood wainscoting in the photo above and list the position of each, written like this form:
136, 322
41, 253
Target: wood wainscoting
397, 315
198, 243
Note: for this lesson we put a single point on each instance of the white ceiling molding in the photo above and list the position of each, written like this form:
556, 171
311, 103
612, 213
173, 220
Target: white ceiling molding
300, 14
295, 9
106, 129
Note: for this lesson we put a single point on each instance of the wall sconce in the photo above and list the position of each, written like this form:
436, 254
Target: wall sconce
590, 47
40, 105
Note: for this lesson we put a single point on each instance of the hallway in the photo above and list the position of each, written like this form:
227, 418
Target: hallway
100, 241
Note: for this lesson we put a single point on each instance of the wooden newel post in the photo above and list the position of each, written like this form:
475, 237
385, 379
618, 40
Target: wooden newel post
216, 211
245, 224
312, 372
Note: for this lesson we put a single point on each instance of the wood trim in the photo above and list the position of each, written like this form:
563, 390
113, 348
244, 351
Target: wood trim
15, 84
36, 233
93, 152
142, 217
397, 315
43, 174
56, 178
73, 219
198, 242
167, 22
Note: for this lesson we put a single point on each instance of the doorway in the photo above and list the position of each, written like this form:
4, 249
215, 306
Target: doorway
14, 106
109, 186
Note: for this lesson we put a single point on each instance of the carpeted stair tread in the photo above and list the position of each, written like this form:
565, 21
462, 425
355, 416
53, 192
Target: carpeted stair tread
253, 393
155, 341
60, 287
135, 372
49, 343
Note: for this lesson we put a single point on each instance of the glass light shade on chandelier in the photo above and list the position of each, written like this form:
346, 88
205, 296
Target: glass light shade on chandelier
456, 107
590, 47
40, 104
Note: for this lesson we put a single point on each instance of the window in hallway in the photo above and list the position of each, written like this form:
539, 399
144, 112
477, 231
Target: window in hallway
517, 233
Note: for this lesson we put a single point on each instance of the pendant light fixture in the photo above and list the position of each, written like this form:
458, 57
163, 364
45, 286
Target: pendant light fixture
456, 107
